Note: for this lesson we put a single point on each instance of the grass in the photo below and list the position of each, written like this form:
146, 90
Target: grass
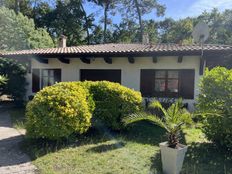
135, 151
17, 117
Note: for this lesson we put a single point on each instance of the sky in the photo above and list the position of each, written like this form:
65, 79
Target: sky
176, 9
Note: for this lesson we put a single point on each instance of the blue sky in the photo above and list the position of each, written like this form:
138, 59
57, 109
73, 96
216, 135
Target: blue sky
176, 8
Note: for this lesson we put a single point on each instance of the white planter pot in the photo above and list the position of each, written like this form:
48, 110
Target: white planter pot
172, 159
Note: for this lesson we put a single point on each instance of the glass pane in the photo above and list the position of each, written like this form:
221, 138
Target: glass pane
173, 74
159, 85
51, 81
51, 73
172, 85
45, 81
45, 72
160, 74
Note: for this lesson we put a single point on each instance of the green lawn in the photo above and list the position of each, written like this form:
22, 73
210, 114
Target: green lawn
134, 151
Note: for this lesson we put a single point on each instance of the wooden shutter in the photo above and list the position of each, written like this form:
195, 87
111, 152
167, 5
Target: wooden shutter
57, 75
146, 82
35, 80
187, 77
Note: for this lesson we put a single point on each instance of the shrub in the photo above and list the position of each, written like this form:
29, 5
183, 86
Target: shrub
16, 83
58, 111
113, 102
216, 97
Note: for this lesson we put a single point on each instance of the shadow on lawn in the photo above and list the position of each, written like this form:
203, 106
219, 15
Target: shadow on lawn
41, 147
206, 158
201, 158
106, 147
143, 132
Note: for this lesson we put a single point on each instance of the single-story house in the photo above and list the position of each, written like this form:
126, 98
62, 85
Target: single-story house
161, 70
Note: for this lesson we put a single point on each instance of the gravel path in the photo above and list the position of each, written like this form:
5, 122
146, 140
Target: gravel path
12, 159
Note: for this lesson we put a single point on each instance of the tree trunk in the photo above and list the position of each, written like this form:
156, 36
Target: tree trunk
17, 6
86, 24
105, 20
140, 20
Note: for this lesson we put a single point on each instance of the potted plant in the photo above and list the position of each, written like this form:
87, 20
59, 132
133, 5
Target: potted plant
172, 120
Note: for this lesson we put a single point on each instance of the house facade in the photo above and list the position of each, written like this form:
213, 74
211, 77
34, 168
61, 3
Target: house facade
163, 70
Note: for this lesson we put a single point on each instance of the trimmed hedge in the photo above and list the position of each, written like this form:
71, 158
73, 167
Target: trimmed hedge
113, 102
216, 99
58, 111
62, 109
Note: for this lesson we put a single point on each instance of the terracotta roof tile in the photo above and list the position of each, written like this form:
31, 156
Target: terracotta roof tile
118, 48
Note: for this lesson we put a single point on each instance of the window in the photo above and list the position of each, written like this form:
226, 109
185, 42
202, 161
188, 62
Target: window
44, 77
48, 77
167, 83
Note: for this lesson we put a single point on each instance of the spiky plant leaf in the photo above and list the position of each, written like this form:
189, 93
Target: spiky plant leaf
135, 117
172, 120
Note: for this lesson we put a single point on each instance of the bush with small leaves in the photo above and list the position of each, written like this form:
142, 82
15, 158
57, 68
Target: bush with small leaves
58, 111
214, 104
113, 102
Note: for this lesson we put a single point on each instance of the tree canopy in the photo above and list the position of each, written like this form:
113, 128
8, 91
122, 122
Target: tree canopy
19, 32
70, 18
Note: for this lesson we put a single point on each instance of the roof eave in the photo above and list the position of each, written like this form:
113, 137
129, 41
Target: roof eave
122, 54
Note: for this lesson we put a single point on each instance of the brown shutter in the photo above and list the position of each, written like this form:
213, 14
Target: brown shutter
187, 83
57, 75
35, 80
146, 82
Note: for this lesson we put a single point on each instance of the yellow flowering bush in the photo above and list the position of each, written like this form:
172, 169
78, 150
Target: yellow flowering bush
59, 110
113, 102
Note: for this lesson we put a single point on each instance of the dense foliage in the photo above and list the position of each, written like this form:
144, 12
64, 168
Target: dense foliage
16, 83
19, 32
3, 82
82, 27
67, 107
171, 119
58, 111
113, 102
215, 100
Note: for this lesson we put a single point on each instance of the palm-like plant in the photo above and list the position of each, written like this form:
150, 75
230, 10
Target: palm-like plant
172, 119
3, 81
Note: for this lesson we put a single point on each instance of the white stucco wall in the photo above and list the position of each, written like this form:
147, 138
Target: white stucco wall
130, 72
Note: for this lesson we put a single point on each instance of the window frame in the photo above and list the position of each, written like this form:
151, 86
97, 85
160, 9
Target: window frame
165, 93
186, 83
38, 77
49, 77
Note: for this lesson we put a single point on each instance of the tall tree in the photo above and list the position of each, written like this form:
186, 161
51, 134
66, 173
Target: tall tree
88, 22
220, 25
126, 31
138, 8
151, 28
177, 31
96, 37
67, 18
19, 32
107, 5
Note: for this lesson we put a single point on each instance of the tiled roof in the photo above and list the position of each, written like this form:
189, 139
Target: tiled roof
119, 49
